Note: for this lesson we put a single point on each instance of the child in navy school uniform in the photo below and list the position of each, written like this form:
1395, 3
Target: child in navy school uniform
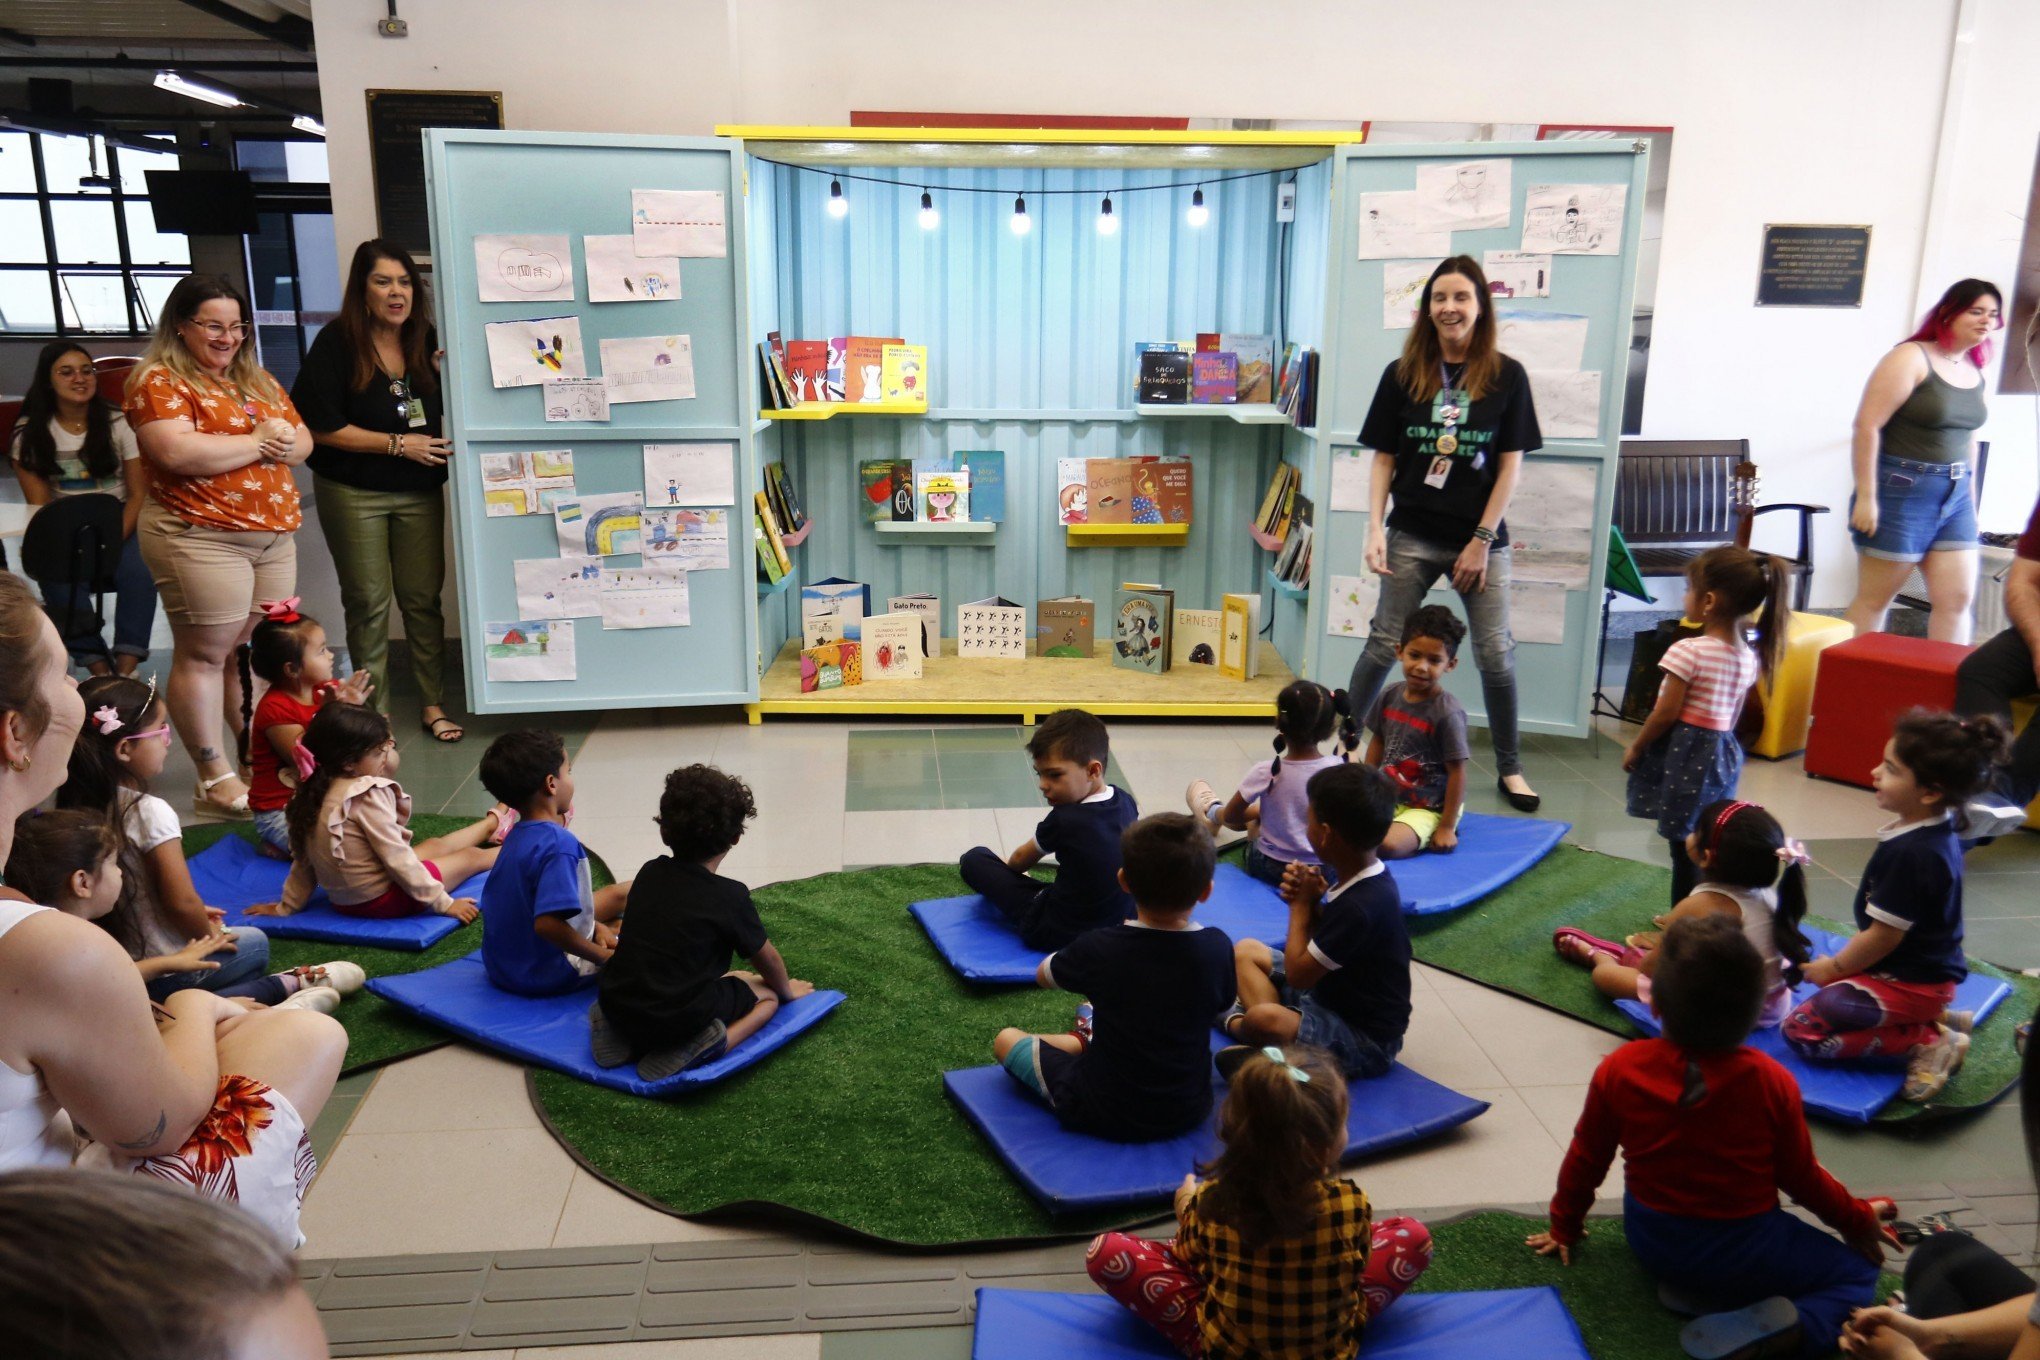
1886, 993
1086, 817
1711, 1131
546, 929
1342, 980
1141, 1069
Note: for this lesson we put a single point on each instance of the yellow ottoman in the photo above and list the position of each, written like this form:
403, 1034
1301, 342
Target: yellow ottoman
1788, 695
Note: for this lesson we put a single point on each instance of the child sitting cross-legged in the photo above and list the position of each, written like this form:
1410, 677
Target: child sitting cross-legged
1419, 737
288, 650
1750, 872
350, 830
1275, 1253
1085, 819
1156, 982
1342, 980
546, 928
1306, 717
1711, 1131
667, 998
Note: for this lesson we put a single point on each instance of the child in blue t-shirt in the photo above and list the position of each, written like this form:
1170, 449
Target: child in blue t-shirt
1885, 994
1086, 817
545, 927
1342, 980
1141, 1069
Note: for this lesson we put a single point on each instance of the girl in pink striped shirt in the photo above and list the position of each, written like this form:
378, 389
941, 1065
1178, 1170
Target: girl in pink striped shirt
1686, 756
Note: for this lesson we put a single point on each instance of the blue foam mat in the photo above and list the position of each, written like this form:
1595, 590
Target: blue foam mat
1069, 1172
232, 874
975, 940
1018, 1324
552, 1031
1850, 1092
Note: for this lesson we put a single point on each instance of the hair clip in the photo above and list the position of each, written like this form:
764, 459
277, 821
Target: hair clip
1296, 1074
108, 718
307, 763
281, 611
1794, 852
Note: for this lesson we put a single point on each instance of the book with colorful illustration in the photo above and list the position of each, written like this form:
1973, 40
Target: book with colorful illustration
1072, 491
1164, 378
1065, 627
832, 375
1143, 348
1194, 637
864, 367
1141, 618
903, 371
986, 469
807, 366
943, 496
1108, 490
1214, 379
1255, 357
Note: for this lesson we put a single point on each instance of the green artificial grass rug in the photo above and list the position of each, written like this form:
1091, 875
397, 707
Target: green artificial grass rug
377, 1032
1611, 1298
848, 1126
1504, 942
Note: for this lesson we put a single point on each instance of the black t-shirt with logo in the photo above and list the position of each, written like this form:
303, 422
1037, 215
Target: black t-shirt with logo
1503, 421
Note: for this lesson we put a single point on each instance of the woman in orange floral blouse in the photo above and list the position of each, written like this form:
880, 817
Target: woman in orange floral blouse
219, 437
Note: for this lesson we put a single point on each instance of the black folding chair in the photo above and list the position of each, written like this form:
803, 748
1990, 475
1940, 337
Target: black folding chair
74, 541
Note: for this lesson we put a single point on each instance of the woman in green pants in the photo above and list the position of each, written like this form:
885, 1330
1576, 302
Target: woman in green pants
369, 391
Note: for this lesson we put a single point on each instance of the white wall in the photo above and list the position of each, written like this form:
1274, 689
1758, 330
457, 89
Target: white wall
1810, 111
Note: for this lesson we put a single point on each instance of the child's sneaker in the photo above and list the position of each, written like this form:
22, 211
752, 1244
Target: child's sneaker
1932, 1065
1762, 1329
324, 1000
1964, 1021
1081, 1030
659, 1066
1202, 799
343, 977
1990, 817
610, 1048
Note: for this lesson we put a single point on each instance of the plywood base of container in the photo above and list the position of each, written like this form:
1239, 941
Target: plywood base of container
1029, 687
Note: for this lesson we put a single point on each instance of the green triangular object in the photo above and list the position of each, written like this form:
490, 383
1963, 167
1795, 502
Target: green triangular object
1622, 575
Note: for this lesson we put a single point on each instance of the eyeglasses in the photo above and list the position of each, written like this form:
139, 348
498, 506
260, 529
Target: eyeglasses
215, 331
162, 731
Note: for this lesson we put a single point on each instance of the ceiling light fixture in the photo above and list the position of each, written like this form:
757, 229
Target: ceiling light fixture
204, 94
1022, 223
838, 205
930, 219
1198, 214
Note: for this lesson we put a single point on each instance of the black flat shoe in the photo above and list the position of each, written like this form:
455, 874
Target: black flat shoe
1522, 802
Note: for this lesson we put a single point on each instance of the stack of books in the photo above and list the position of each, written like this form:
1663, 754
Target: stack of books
1292, 563
1296, 396
1220, 369
853, 369
769, 536
1278, 506
968, 486
786, 507
1144, 490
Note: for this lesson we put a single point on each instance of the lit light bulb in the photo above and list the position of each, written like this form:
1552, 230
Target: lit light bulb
930, 219
1022, 223
839, 206
1198, 214
1107, 223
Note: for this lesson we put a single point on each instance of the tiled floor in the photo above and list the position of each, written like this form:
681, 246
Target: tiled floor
442, 1152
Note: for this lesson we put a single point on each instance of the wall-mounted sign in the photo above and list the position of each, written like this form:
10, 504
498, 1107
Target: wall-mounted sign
1812, 266
397, 120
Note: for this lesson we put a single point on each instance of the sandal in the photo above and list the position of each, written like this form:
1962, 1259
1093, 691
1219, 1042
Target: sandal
203, 801
506, 817
431, 728
1576, 946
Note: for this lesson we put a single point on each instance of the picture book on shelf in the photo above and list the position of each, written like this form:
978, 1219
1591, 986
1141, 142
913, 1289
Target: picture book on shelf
1214, 379
993, 629
864, 367
833, 610
832, 375
1194, 637
807, 364
768, 565
762, 506
1143, 348
986, 471
1065, 627
903, 372
891, 647
888, 489
1164, 377
1072, 491
928, 609
944, 496
1274, 504
775, 396
1108, 484
830, 665
776, 360
1255, 357
776, 479
1240, 636
1141, 617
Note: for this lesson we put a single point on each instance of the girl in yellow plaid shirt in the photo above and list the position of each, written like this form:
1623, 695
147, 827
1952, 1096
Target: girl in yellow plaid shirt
1276, 1255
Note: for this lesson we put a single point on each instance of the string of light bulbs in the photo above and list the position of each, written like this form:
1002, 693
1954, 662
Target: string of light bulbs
1197, 214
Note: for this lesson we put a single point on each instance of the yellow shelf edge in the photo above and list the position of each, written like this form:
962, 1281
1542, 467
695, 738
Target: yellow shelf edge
1247, 708
826, 410
768, 132
1124, 535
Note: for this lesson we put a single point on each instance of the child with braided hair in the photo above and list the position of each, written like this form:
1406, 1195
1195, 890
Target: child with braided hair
1272, 793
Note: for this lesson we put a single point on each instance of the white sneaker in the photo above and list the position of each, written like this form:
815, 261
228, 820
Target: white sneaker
343, 977
324, 1000
1991, 816
1933, 1065
1201, 800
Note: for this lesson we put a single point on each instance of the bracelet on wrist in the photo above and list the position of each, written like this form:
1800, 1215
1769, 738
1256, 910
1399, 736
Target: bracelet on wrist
1483, 533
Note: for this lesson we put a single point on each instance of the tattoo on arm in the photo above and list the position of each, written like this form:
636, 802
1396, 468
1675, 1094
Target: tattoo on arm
148, 1139
208, 753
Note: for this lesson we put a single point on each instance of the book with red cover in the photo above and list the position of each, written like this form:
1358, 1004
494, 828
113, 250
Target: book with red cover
1214, 379
1207, 342
807, 365
864, 367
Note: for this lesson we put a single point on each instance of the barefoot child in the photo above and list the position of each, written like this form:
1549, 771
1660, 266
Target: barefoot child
1275, 1252
289, 651
1157, 983
546, 928
1750, 872
1711, 1131
1419, 737
1086, 817
350, 830
667, 997
1306, 715
1342, 981
1886, 994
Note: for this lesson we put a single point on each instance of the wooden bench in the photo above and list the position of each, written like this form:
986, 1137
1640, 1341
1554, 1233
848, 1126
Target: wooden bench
1676, 498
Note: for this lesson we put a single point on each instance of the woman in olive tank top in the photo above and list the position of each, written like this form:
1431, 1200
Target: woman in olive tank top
1914, 463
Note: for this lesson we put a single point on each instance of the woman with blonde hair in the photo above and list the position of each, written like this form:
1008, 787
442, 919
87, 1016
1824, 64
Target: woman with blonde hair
219, 437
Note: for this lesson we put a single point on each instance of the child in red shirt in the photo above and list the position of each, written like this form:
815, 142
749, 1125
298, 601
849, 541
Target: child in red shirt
289, 650
1710, 1132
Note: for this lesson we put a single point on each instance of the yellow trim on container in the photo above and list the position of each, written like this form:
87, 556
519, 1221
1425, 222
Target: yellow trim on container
824, 410
1246, 708
1125, 535
767, 132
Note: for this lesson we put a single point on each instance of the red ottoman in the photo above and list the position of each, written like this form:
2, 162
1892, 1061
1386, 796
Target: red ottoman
1864, 684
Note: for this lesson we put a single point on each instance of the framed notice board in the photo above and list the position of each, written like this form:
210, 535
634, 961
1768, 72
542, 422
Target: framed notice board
396, 152
1812, 266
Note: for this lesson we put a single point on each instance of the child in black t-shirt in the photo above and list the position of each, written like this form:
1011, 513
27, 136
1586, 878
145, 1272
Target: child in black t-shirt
667, 997
1157, 983
1086, 817
1342, 981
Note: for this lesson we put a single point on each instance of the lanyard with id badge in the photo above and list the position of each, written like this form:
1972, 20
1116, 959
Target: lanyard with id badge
409, 408
1448, 409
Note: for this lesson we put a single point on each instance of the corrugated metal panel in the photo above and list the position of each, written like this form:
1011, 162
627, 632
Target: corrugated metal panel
1037, 324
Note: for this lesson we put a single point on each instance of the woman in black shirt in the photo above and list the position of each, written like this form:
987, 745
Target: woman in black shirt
1449, 425
369, 391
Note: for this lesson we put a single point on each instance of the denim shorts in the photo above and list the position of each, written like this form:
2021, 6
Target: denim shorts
274, 828
1319, 1026
1921, 508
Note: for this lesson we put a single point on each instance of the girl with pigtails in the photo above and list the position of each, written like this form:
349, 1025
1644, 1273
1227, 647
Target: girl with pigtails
1306, 716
